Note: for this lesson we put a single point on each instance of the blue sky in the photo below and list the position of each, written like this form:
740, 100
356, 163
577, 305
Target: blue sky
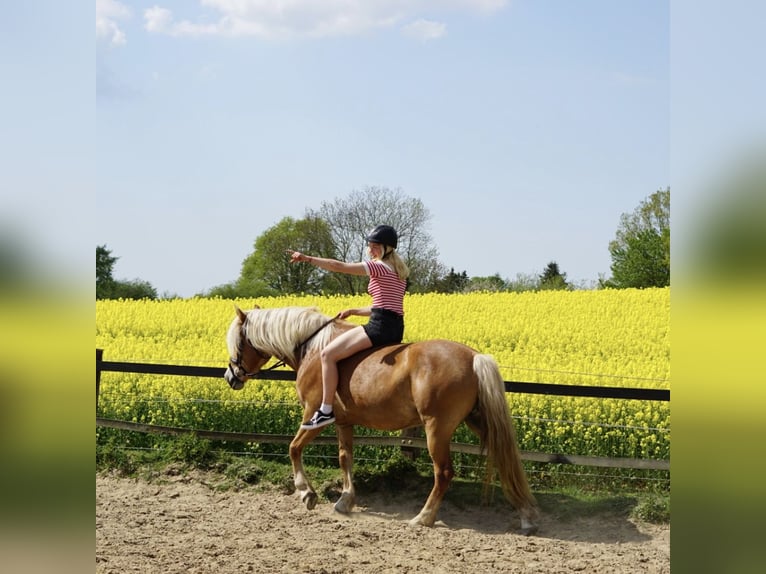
526, 127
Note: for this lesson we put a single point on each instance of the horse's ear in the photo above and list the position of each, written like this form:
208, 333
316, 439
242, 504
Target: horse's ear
240, 313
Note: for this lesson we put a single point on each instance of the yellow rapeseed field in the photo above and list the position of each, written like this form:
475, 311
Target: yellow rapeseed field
609, 338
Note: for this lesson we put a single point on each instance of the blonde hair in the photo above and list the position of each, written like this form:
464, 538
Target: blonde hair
390, 255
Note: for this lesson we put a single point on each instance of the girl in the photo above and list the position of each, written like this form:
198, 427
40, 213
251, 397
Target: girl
388, 281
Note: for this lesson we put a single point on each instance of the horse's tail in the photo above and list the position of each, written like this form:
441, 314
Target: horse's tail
498, 438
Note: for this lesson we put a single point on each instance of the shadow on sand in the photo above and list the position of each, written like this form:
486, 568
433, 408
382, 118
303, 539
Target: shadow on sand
605, 519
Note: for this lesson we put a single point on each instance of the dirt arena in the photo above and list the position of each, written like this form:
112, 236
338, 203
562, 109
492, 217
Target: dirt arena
185, 525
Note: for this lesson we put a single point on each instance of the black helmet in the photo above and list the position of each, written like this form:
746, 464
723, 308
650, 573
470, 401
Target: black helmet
384, 234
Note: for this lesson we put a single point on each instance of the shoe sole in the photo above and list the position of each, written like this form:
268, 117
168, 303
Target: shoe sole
318, 425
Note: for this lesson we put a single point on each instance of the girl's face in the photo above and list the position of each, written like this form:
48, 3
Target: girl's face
375, 250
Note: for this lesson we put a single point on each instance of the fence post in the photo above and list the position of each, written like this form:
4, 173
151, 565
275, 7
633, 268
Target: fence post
99, 357
410, 452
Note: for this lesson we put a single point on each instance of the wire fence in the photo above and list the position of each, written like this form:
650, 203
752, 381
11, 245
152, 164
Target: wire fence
539, 464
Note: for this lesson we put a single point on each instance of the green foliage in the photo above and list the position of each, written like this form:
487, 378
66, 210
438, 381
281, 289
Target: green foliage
654, 508
190, 449
641, 261
268, 269
136, 289
452, 282
109, 288
552, 279
104, 269
225, 291
521, 283
641, 249
241, 289
491, 283
113, 455
245, 470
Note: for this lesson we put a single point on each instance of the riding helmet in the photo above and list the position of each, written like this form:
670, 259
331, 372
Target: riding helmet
384, 234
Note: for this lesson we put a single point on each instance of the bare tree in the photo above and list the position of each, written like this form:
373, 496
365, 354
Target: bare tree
351, 218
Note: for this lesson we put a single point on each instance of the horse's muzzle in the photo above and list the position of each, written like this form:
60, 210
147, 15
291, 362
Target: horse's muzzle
234, 382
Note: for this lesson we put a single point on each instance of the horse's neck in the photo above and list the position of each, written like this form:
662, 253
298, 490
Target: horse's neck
291, 337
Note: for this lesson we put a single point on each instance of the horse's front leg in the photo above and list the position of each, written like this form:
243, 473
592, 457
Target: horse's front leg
347, 498
301, 481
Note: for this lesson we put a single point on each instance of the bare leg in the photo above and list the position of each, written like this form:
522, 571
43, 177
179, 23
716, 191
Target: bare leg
343, 346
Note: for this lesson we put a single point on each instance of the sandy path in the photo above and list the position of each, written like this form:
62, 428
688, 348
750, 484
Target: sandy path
187, 526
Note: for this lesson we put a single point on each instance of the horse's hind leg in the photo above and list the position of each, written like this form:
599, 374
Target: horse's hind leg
347, 498
439, 448
301, 481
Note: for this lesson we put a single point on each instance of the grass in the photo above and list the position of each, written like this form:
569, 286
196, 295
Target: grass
227, 471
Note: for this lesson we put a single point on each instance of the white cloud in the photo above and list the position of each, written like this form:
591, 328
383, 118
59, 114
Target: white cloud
108, 14
157, 19
425, 29
310, 18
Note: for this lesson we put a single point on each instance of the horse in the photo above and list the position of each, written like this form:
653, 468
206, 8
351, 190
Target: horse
436, 384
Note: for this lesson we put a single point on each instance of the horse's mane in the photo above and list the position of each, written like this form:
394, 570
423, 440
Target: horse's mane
281, 330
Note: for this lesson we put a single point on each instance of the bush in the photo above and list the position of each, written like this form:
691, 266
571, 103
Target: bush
191, 450
654, 508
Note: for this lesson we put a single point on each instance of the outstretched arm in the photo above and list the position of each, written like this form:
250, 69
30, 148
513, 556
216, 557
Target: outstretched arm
328, 264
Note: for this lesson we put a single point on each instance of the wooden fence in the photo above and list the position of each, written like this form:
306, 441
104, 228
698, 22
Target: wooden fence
405, 440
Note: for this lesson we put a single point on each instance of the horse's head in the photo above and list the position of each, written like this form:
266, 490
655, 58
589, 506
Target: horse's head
244, 360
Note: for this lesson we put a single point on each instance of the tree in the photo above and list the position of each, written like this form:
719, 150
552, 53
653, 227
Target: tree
490, 283
268, 271
109, 288
552, 279
523, 282
641, 248
452, 282
134, 289
104, 269
350, 219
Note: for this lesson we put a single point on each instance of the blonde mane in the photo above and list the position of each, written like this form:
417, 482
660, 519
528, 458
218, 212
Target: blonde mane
279, 332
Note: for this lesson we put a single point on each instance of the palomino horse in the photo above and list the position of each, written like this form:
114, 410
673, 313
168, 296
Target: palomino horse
436, 384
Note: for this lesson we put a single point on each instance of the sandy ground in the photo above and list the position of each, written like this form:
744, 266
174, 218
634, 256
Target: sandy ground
184, 524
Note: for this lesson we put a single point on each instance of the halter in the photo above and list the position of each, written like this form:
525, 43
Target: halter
237, 361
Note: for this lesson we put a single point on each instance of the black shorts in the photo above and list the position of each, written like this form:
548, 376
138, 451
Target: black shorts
384, 327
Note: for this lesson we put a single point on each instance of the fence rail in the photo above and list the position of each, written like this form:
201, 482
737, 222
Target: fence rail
601, 392
413, 442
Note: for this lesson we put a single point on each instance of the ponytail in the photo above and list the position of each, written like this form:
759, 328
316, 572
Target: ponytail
400, 267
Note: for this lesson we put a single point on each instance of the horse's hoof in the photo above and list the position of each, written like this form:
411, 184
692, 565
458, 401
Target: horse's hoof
528, 527
418, 521
310, 500
529, 530
344, 505
341, 507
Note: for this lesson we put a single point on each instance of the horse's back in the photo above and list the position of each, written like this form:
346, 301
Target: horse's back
396, 386
441, 358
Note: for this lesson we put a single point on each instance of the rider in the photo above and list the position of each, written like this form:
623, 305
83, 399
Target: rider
388, 281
